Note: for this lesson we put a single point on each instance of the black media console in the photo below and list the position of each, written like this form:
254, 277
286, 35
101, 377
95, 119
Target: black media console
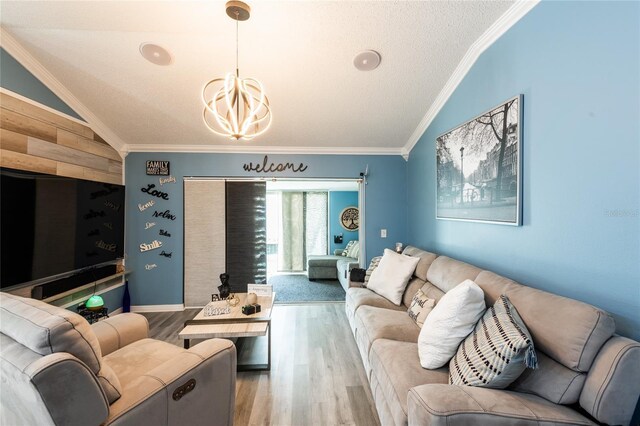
44, 291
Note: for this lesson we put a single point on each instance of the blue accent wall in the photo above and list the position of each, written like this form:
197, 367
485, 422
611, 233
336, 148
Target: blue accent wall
577, 64
385, 203
338, 201
15, 77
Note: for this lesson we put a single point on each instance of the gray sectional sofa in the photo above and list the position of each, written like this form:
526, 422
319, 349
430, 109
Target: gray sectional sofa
586, 374
331, 267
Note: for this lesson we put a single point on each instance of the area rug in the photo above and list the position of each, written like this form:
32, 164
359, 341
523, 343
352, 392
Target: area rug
298, 288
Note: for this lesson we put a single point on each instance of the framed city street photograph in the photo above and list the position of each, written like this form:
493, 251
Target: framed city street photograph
478, 166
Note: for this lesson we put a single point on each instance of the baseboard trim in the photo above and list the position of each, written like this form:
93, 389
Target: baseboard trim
115, 312
158, 308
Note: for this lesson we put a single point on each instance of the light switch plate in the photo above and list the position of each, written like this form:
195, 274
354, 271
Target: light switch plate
383, 233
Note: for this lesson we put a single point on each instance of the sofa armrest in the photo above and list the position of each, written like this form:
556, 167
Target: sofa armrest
610, 393
354, 264
338, 252
206, 374
70, 392
120, 330
440, 404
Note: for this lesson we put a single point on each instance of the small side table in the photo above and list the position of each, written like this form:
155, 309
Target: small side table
93, 315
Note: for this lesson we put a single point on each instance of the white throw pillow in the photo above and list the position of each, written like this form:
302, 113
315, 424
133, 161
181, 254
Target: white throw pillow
453, 318
391, 276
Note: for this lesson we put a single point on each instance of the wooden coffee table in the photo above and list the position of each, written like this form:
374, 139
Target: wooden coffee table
234, 325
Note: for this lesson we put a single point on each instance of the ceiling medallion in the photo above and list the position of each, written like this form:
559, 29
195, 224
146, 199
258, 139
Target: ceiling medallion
236, 107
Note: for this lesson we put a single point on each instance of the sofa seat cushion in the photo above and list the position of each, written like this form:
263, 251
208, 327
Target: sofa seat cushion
451, 405
140, 357
323, 260
357, 296
374, 323
397, 369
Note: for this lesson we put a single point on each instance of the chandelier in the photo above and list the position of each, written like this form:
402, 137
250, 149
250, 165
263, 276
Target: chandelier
236, 107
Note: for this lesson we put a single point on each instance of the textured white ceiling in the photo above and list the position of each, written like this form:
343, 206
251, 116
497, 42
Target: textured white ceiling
302, 52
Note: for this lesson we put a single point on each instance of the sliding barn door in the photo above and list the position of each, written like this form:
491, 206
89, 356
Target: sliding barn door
204, 239
224, 231
246, 236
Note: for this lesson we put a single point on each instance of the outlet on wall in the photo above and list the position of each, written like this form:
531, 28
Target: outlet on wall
383, 233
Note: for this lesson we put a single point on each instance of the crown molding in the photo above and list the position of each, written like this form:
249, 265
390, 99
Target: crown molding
20, 54
519, 9
244, 149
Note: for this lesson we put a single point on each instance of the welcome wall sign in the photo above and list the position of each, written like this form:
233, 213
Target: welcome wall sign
266, 167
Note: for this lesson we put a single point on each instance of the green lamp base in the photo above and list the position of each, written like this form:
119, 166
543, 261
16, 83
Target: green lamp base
94, 303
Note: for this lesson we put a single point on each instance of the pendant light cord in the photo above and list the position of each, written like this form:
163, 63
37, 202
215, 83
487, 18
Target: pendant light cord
237, 43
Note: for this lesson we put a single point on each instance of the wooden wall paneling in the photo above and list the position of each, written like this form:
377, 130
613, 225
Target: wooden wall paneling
75, 141
27, 126
17, 160
13, 141
57, 152
80, 172
24, 108
39, 140
115, 167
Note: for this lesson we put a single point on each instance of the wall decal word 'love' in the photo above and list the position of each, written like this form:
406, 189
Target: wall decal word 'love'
149, 190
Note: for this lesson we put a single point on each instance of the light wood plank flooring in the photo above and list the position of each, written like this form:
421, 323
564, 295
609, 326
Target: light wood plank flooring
316, 376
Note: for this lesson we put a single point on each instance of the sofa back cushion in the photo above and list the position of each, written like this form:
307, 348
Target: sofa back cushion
570, 333
426, 259
446, 273
47, 329
354, 250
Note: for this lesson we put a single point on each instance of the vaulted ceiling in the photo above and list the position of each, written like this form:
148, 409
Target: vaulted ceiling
302, 52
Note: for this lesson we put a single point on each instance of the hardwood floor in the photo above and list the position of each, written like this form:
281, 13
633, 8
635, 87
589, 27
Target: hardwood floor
316, 376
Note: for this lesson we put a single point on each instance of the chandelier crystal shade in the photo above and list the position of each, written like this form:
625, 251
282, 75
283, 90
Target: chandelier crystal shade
236, 107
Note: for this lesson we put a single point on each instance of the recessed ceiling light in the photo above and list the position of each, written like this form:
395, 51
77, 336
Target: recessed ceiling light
155, 54
367, 60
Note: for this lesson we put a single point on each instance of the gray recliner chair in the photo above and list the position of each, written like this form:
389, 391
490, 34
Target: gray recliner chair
56, 369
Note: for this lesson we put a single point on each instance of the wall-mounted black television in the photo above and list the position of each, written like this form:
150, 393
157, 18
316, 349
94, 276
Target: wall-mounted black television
54, 227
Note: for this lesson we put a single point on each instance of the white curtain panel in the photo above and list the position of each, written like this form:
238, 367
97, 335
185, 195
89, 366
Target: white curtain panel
304, 228
316, 220
292, 253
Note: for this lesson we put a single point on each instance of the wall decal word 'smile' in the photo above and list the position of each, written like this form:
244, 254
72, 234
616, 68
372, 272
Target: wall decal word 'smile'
149, 190
165, 214
155, 244
267, 167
